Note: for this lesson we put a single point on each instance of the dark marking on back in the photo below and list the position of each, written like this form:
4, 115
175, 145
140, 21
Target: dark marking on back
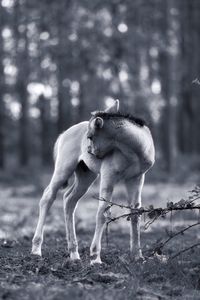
83, 166
106, 116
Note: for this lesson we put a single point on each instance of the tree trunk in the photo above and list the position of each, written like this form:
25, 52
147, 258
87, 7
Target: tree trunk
2, 86
2, 149
45, 130
63, 60
195, 65
24, 123
23, 72
169, 62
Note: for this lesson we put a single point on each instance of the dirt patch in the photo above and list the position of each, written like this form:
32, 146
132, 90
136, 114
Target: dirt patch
54, 276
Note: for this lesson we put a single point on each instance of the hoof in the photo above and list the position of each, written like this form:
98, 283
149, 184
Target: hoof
74, 256
36, 251
95, 261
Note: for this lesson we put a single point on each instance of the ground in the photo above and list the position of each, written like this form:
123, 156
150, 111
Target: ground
23, 276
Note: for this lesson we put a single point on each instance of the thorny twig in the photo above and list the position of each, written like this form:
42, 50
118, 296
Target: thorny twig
184, 250
158, 248
112, 203
152, 212
178, 233
155, 213
148, 223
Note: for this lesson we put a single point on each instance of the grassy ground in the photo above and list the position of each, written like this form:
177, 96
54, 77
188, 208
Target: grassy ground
53, 276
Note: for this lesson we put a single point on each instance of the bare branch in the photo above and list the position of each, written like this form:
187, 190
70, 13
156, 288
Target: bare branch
178, 233
184, 250
155, 213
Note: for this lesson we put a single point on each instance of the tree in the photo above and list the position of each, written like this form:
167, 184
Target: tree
45, 126
2, 88
169, 71
22, 62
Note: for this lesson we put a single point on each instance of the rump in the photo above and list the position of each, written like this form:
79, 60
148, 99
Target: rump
55, 149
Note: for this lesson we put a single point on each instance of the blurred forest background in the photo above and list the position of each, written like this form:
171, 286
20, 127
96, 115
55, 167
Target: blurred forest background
60, 60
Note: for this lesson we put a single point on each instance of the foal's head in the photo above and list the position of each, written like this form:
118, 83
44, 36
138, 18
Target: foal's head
103, 130
100, 142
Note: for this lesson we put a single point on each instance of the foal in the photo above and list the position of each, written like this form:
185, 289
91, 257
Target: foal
84, 150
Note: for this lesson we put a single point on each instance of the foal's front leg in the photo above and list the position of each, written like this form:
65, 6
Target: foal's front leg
106, 189
134, 188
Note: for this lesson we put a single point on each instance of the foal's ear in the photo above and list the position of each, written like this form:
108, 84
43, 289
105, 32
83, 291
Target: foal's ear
93, 113
114, 108
98, 122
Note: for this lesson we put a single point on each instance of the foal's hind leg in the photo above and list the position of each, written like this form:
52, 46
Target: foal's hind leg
134, 189
60, 175
46, 201
84, 177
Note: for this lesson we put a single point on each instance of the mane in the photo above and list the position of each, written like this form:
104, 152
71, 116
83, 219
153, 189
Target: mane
107, 116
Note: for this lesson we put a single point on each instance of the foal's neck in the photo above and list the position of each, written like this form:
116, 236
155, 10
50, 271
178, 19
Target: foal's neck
127, 136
